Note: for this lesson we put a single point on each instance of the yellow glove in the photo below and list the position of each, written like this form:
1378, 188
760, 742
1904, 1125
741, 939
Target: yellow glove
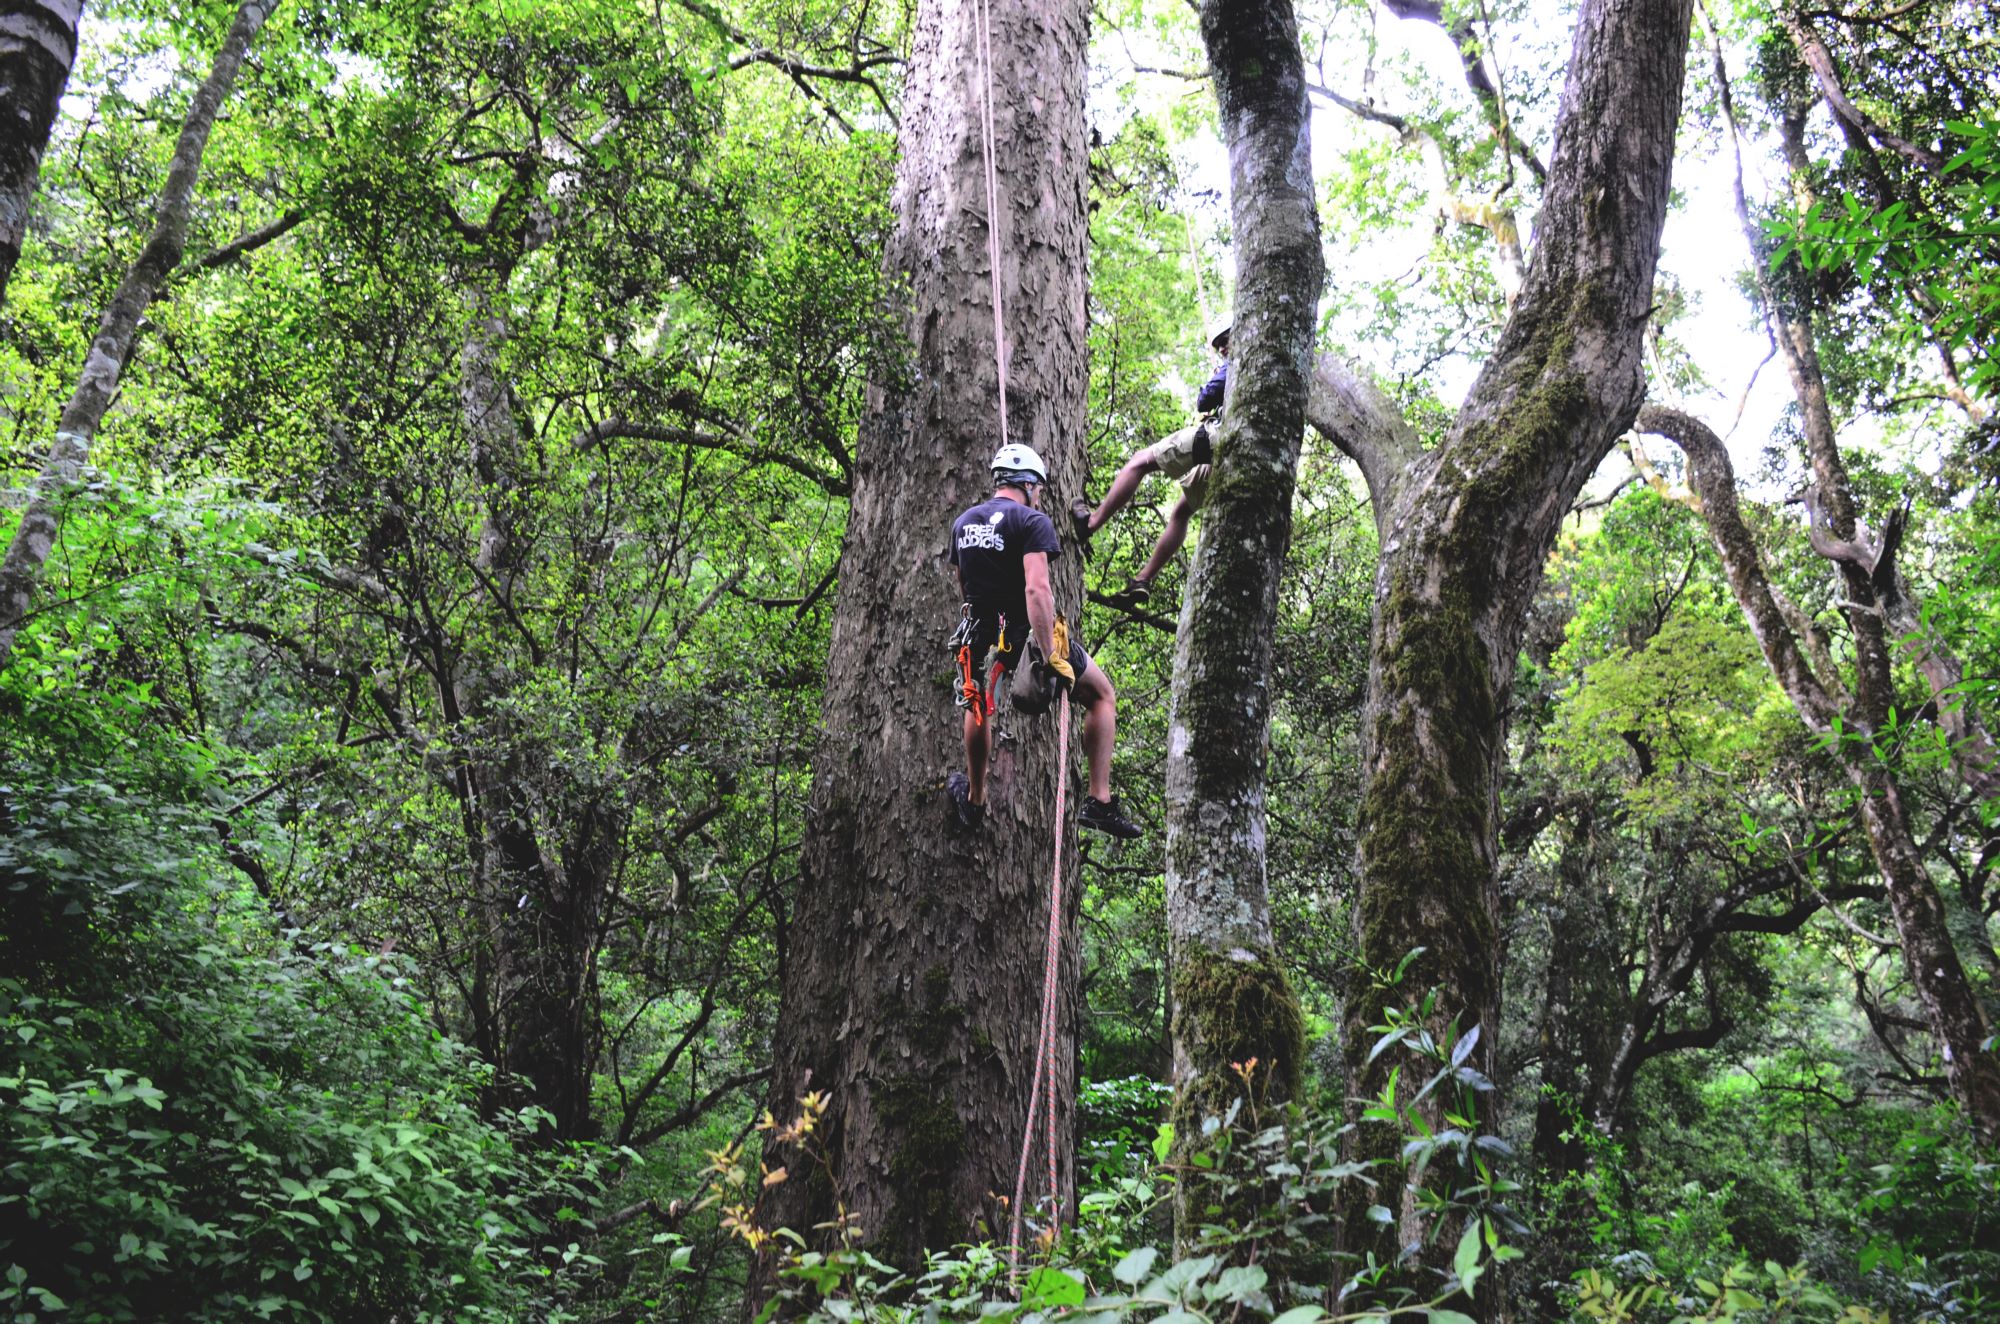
1059, 655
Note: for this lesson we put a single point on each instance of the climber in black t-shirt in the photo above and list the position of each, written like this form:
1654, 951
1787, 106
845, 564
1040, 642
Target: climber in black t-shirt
1002, 548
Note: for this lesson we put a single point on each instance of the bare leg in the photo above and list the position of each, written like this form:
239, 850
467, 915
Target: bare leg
1170, 541
1100, 727
1123, 487
978, 745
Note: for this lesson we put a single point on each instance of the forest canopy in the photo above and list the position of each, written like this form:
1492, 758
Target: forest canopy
475, 705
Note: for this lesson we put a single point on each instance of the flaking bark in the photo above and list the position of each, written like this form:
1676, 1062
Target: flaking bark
118, 332
912, 981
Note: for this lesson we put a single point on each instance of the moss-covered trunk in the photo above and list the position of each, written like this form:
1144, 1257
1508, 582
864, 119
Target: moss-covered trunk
1231, 1001
1466, 529
912, 973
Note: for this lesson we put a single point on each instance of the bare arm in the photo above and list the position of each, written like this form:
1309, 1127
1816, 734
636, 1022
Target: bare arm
1141, 464
1041, 599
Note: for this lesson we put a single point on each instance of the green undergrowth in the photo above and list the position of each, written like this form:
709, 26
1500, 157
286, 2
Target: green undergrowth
1257, 1186
204, 1116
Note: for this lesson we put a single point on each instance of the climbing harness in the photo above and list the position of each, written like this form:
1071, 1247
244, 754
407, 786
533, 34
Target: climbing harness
971, 695
1045, 1044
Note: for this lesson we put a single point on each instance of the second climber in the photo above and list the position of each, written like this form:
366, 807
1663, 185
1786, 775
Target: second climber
1185, 455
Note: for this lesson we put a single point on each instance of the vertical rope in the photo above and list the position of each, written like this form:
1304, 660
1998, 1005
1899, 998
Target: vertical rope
1045, 1041
983, 33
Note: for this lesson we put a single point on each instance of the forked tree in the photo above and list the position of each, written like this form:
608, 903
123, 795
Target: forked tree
1466, 527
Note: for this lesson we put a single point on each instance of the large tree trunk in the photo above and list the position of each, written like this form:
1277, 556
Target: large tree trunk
37, 47
1467, 527
541, 902
118, 331
1231, 1001
911, 992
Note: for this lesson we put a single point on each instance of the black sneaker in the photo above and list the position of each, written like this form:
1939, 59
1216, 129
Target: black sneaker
1079, 518
1100, 816
959, 789
1132, 596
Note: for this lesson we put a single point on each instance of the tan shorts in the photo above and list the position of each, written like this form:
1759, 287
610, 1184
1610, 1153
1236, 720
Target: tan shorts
1175, 454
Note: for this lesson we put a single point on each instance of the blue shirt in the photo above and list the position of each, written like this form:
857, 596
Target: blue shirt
1209, 398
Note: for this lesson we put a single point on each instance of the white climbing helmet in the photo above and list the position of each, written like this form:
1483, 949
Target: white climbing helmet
1219, 333
1015, 460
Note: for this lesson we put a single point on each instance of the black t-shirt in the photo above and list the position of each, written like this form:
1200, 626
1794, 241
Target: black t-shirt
987, 544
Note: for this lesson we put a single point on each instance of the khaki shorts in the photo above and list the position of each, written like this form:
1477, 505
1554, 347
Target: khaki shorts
1177, 457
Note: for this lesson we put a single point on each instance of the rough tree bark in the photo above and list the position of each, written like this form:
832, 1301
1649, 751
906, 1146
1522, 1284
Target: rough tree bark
1951, 1004
1231, 1001
118, 331
1467, 526
911, 989
37, 48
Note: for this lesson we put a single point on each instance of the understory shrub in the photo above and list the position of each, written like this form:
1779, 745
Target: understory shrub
203, 1117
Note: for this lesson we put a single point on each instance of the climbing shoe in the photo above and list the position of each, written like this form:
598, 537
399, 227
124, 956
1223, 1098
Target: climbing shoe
1079, 518
968, 814
1104, 816
1133, 596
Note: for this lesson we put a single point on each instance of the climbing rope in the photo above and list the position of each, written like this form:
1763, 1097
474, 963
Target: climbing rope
983, 25
1045, 1043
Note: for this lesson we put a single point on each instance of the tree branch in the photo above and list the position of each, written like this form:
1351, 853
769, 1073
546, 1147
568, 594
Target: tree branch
691, 1112
1471, 57
1813, 51
1351, 411
1713, 479
243, 244
1365, 109
619, 428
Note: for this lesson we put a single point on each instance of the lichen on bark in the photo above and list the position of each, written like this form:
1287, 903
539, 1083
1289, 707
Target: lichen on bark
1465, 531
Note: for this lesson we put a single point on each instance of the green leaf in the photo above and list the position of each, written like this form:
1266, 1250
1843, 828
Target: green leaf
1051, 1287
1463, 1048
1465, 1263
1237, 1283
1132, 1270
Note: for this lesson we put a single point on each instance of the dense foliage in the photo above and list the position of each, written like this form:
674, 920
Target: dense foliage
404, 763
